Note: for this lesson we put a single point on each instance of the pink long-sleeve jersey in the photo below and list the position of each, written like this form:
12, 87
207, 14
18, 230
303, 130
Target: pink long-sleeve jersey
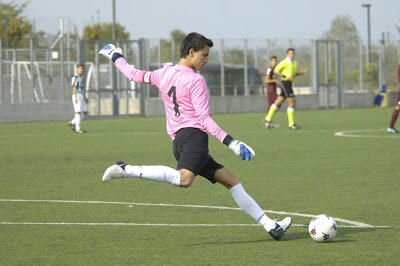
185, 96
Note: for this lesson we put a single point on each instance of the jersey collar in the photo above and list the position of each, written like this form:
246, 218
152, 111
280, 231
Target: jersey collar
180, 67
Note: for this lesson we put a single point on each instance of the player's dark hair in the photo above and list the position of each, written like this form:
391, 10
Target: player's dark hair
273, 57
196, 41
290, 49
80, 65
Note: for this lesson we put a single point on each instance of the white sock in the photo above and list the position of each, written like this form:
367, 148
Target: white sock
158, 173
77, 122
73, 121
248, 204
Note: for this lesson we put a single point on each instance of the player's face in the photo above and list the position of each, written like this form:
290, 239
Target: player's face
79, 71
272, 63
290, 54
200, 58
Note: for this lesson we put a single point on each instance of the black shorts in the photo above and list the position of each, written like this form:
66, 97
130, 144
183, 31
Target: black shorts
190, 148
287, 89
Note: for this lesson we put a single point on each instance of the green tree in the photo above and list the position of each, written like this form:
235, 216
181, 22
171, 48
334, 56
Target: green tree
103, 31
15, 29
343, 28
177, 37
236, 56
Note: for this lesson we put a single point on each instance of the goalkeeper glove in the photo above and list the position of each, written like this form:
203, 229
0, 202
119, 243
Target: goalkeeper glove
242, 149
111, 52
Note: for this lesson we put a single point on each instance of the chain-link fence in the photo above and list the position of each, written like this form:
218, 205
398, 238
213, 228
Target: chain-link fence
36, 74
236, 67
108, 91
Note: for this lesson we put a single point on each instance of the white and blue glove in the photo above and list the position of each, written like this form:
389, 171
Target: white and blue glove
242, 149
110, 51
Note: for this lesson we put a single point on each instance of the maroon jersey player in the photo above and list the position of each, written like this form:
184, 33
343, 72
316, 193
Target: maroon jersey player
391, 128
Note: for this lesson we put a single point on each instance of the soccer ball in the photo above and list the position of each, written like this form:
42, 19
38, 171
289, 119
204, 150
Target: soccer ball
322, 228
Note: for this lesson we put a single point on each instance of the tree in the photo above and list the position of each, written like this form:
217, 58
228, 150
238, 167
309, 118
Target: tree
103, 31
177, 37
15, 29
343, 28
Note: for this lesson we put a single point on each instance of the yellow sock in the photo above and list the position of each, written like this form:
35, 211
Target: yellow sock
290, 116
271, 112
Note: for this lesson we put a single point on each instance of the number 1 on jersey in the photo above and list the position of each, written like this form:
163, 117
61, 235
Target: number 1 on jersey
172, 92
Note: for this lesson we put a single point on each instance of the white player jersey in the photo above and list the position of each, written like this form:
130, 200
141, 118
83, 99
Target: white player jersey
77, 81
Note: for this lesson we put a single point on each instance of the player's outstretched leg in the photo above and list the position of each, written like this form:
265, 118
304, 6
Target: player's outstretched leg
270, 114
71, 124
290, 113
249, 205
158, 173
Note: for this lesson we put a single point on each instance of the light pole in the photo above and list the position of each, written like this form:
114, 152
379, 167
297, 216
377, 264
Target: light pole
113, 71
113, 21
369, 32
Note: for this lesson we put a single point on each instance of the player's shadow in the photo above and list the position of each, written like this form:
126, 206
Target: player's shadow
267, 238
343, 234
230, 242
341, 237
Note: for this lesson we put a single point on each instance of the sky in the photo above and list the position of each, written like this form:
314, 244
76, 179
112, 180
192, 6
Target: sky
252, 19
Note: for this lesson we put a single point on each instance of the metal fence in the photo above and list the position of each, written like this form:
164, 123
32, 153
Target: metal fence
236, 67
36, 74
109, 92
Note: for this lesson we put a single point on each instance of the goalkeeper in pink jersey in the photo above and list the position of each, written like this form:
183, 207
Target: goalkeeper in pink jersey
187, 108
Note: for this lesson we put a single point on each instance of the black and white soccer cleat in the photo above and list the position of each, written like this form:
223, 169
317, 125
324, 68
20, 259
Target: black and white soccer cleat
279, 231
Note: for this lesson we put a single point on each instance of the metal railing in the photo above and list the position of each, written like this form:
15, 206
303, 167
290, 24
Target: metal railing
236, 67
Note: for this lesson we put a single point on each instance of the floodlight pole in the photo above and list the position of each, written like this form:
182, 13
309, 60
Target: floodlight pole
369, 31
113, 71
113, 21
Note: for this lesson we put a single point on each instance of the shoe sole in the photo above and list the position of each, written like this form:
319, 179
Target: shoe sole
108, 170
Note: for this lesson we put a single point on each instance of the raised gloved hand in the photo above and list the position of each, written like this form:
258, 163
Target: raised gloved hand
242, 149
110, 51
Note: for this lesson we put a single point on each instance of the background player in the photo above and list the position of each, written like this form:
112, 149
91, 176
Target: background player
272, 82
287, 69
79, 100
391, 128
186, 100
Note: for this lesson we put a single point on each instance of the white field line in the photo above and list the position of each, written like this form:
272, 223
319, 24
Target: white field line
175, 225
355, 223
353, 133
133, 224
143, 133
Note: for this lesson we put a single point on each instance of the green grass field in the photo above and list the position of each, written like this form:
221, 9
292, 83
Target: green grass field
311, 171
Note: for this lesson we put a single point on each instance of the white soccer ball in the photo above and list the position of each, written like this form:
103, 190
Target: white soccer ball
322, 228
